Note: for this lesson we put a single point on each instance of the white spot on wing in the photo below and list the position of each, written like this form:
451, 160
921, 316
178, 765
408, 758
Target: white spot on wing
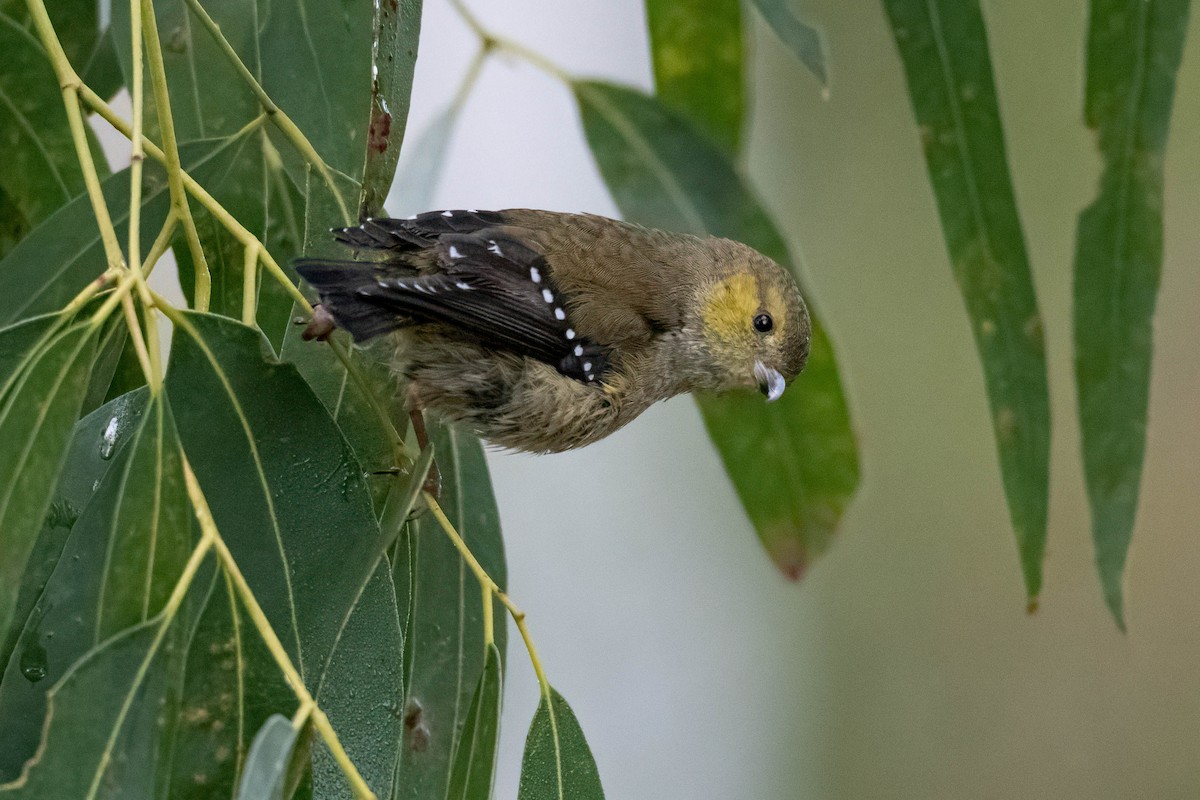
578, 349
454, 252
534, 275
570, 333
560, 314
587, 366
548, 295
495, 248
447, 213
462, 285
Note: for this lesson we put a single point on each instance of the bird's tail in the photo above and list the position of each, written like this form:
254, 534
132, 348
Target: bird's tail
341, 285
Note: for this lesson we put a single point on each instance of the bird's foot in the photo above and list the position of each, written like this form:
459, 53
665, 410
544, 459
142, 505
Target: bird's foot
320, 326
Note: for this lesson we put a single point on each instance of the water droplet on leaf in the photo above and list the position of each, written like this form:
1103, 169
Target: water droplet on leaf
33, 662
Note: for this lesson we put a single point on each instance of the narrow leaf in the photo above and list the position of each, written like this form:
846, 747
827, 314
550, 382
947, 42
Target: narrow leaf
36, 419
393, 57
101, 738
943, 44
558, 763
444, 619
474, 766
421, 163
123, 557
1134, 50
266, 772
793, 462
696, 47
801, 38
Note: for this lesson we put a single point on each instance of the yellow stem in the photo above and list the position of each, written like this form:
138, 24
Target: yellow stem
250, 284
492, 41
161, 243
135, 334
276, 114
255, 612
489, 624
487, 583
170, 155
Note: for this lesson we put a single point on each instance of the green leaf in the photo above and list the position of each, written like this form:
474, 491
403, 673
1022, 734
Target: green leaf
558, 763
83, 469
801, 38
474, 766
247, 178
36, 419
663, 173
103, 734
13, 225
943, 45
41, 172
444, 613
60, 256
266, 772
123, 557
290, 500
421, 163
1134, 50
696, 47
394, 57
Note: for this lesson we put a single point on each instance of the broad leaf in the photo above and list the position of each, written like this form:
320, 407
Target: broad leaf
289, 498
1134, 50
444, 620
801, 38
696, 47
394, 57
36, 419
474, 766
558, 763
41, 172
793, 462
943, 44
123, 557
83, 469
60, 256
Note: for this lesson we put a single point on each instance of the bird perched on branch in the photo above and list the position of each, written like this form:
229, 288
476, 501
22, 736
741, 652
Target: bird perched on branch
543, 331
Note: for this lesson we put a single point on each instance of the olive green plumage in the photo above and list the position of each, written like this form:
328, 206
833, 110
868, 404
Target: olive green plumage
543, 331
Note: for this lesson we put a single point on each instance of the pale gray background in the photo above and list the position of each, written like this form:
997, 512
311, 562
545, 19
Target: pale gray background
904, 665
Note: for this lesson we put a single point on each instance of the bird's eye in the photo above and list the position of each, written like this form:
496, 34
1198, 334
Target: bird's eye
763, 323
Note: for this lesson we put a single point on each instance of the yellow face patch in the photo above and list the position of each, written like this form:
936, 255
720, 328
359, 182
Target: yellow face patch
730, 306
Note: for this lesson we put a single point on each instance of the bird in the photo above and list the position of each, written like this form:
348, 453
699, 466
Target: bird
545, 331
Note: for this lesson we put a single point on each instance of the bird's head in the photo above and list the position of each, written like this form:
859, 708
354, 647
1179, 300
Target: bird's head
754, 324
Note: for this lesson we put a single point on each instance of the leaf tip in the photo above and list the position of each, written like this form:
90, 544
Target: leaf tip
1032, 604
790, 555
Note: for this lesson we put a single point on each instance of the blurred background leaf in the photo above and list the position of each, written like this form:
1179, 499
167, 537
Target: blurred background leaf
798, 36
944, 48
1133, 54
794, 462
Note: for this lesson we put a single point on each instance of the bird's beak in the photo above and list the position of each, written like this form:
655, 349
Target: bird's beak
770, 382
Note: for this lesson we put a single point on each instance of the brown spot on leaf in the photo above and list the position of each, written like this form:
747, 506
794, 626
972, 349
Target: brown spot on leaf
380, 130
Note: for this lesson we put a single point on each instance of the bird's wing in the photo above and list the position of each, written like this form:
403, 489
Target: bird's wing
489, 285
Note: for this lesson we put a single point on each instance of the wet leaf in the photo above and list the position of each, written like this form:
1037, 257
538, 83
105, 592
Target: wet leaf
36, 418
945, 52
124, 555
1134, 50
663, 173
558, 763
474, 766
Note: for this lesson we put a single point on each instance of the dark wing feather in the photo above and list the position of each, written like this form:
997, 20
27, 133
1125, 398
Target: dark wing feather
489, 286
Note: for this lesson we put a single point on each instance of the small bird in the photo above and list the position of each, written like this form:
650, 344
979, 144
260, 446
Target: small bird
544, 331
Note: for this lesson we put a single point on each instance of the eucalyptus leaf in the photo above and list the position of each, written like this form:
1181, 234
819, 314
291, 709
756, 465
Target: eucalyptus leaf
558, 763
697, 51
801, 38
664, 173
41, 171
102, 740
474, 765
394, 58
421, 163
1134, 50
266, 771
443, 611
36, 419
943, 44
120, 563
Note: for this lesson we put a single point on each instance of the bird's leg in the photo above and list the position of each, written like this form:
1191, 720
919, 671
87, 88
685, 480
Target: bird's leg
433, 481
320, 326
